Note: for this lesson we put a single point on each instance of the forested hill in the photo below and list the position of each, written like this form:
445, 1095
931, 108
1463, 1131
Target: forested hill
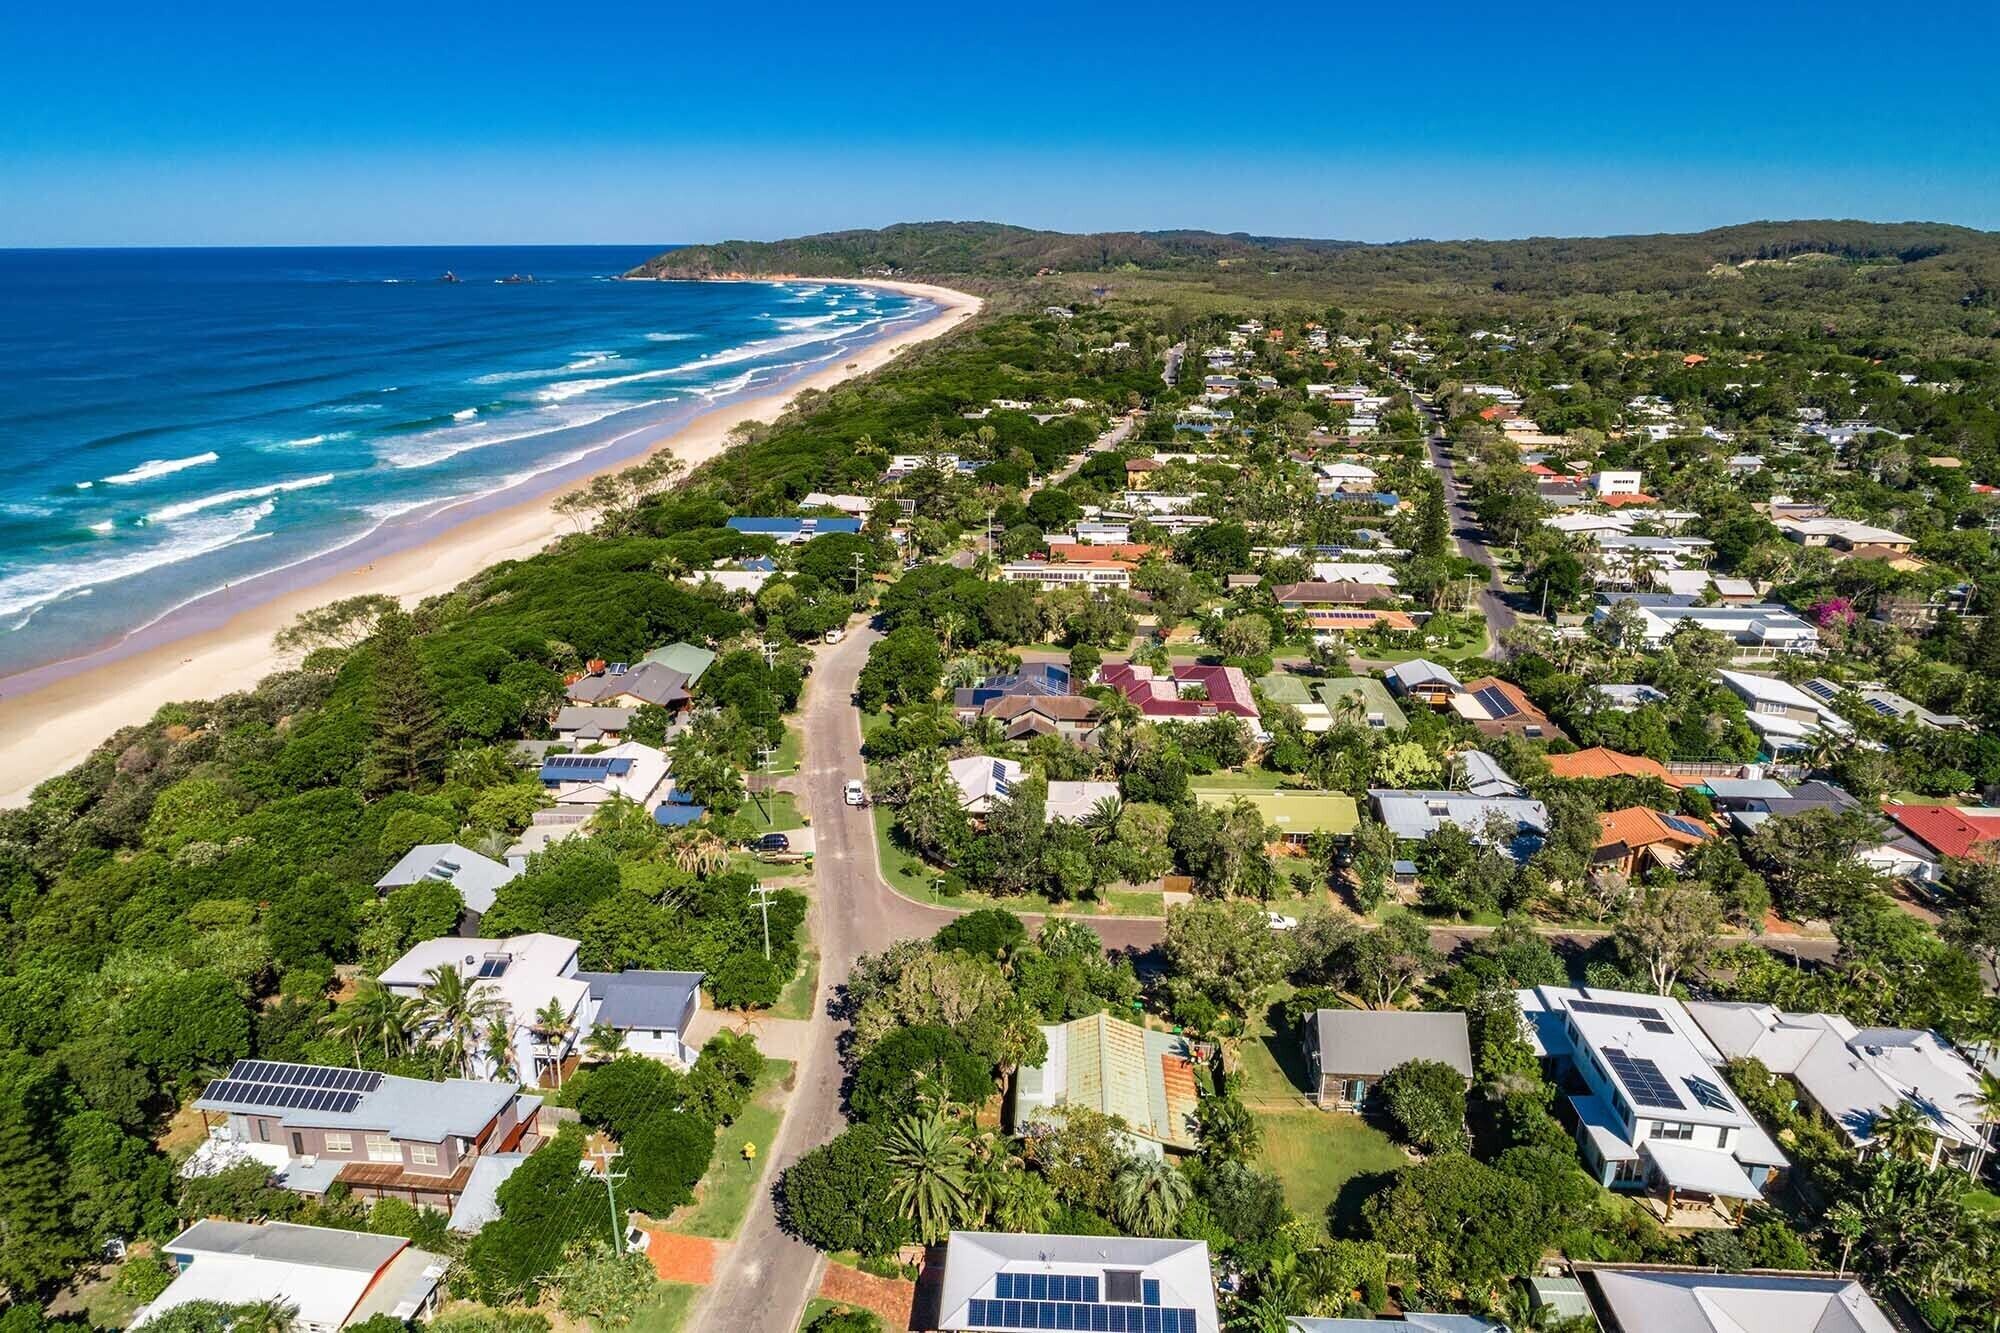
1922, 273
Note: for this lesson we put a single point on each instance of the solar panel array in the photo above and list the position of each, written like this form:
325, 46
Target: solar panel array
1823, 689
1707, 1093
1001, 787
1613, 1010
1496, 704
1649, 1087
291, 1087
1687, 826
587, 763
1070, 1301
1885, 708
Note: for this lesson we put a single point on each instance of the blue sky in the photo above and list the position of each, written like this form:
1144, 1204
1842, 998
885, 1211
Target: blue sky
420, 123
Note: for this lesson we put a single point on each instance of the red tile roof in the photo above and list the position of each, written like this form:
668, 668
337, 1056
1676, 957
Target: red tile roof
1636, 827
1619, 501
1228, 689
1599, 762
1946, 829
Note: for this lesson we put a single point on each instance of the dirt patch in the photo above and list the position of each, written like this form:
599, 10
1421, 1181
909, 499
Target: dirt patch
679, 1258
889, 1297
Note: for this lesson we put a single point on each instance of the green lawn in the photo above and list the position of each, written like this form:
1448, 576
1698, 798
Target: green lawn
723, 1197
816, 1307
773, 812
913, 877
796, 999
1251, 778
791, 750
1314, 1153
666, 1311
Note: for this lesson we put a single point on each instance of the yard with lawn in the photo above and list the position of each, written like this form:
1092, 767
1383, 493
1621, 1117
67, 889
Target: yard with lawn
1314, 1153
722, 1199
915, 878
773, 812
796, 999
667, 1311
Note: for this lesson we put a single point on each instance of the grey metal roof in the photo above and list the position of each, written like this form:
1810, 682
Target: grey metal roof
475, 877
479, 1203
287, 1242
1420, 671
1651, 1301
650, 681
1411, 1322
1374, 1041
403, 1108
590, 721
639, 999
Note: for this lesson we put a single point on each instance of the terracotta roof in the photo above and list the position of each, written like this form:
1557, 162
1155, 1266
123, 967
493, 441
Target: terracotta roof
1331, 594
1599, 762
1357, 617
1060, 707
1620, 501
1946, 829
1143, 465
1636, 827
1084, 552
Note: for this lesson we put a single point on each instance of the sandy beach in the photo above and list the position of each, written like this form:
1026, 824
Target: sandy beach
59, 715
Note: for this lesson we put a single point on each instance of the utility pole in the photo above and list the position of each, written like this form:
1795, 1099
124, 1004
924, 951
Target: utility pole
764, 754
859, 561
764, 892
770, 651
605, 1157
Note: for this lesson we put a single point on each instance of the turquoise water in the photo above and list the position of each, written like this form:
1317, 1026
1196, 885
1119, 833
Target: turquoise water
174, 422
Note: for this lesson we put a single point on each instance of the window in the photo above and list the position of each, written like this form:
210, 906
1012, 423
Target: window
263, 1131
1667, 1129
382, 1148
424, 1154
298, 1144
339, 1143
1122, 1285
1722, 1139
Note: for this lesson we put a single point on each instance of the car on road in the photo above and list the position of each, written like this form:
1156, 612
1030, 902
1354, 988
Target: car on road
771, 842
834, 635
1279, 921
855, 793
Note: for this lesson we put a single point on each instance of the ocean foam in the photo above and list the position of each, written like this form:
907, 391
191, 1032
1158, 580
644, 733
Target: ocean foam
668, 337
308, 441
465, 414
37, 587
590, 360
159, 467
447, 442
168, 513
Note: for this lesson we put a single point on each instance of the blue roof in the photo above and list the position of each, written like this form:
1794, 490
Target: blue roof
673, 814
772, 527
763, 564
583, 767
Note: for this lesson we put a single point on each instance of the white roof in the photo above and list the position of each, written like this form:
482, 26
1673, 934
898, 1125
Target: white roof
983, 779
645, 781
1354, 571
1651, 1301
535, 972
322, 1272
1847, 529
1700, 1170
975, 1259
1070, 801
1853, 1073
474, 876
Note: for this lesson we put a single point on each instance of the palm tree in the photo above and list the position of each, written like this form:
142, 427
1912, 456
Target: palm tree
700, 852
553, 1026
603, 1042
274, 1314
949, 625
500, 1049
1986, 1103
1904, 1131
375, 1016
1148, 1195
1102, 821
928, 1160
457, 1012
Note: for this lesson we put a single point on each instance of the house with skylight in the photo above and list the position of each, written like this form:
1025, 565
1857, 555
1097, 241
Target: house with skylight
1106, 1284
1651, 1110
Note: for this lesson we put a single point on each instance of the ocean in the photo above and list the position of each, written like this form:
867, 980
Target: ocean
173, 422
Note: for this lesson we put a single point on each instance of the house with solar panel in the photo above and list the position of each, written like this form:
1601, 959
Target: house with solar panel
1497, 707
623, 685
1142, 1076
381, 1136
983, 780
1637, 839
1651, 1110
1107, 1284
524, 974
792, 531
476, 877
631, 770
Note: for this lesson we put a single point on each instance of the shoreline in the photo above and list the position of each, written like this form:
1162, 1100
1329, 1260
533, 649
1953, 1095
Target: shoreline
52, 716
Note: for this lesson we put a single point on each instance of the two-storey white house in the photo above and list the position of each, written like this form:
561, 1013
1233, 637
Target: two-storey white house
1652, 1110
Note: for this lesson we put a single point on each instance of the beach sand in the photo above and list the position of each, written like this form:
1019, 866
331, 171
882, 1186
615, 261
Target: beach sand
50, 728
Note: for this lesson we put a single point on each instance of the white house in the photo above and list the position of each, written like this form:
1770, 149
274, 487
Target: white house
1616, 483
1783, 714
982, 780
632, 770
330, 1278
524, 974
1655, 1113
1123, 1284
1854, 1075
475, 877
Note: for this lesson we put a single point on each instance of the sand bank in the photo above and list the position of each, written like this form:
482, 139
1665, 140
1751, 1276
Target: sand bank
52, 717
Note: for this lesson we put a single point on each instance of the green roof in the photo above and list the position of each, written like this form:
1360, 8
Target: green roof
1374, 697
685, 658
1295, 812
1282, 687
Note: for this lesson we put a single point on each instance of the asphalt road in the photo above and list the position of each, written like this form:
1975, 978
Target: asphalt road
1465, 530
